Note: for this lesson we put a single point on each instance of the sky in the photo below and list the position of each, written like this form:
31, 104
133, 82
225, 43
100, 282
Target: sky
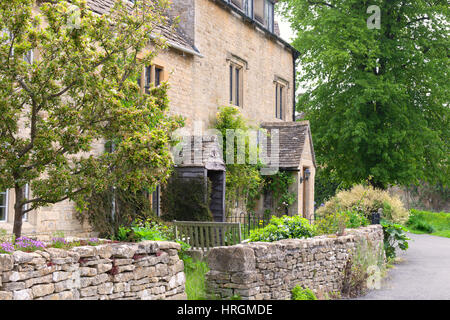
285, 30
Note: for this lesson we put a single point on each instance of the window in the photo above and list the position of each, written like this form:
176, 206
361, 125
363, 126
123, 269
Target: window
156, 201
153, 74
236, 84
28, 57
3, 205
264, 13
280, 97
26, 196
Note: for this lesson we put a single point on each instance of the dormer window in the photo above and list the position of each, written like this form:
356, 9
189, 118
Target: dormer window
260, 10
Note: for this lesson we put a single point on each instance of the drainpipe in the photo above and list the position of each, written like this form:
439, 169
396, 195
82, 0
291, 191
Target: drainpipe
295, 55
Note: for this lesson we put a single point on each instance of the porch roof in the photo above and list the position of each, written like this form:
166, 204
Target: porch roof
292, 138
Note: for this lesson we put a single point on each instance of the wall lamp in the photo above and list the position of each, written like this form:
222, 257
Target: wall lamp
307, 175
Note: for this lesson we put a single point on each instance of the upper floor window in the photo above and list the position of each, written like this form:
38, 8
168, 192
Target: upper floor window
236, 84
280, 93
260, 10
281, 97
3, 205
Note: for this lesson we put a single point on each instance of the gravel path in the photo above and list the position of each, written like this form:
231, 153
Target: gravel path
423, 273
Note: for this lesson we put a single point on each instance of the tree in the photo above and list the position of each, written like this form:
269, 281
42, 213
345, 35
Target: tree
377, 98
80, 90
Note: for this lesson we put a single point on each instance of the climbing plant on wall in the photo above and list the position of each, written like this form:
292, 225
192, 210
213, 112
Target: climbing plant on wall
243, 181
278, 184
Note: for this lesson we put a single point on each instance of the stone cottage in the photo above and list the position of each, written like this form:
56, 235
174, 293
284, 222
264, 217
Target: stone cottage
224, 52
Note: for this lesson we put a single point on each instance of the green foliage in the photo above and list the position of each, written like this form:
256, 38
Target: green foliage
300, 293
336, 223
144, 230
128, 206
364, 268
394, 237
195, 281
278, 184
284, 227
243, 180
186, 199
368, 120
435, 223
81, 89
366, 199
325, 186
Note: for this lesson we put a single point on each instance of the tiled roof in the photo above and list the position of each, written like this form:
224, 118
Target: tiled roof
204, 151
173, 37
292, 137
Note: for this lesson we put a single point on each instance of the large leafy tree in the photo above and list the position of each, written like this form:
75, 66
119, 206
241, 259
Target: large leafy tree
377, 98
80, 90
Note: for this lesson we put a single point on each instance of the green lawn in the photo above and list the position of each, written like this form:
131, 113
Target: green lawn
426, 222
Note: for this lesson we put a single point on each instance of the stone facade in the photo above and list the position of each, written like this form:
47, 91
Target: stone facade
148, 270
269, 271
198, 76
223, 37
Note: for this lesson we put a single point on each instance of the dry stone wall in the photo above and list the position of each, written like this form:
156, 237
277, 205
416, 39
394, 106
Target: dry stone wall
147, 270
269, 271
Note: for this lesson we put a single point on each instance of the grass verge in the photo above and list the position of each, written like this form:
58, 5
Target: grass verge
427, 222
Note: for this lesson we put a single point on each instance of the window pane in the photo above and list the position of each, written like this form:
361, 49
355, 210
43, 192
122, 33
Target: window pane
259, 10
3, 206
148, 80
281, 102
276, 101
237, 87
231, 84
248, 7
158, 76
237, 3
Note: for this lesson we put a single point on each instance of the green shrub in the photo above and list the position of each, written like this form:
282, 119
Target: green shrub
186, 199
436, 223
336, 223
128, 207
364, 269
284, 227
366, 199
142, 230
394, 237
300, 293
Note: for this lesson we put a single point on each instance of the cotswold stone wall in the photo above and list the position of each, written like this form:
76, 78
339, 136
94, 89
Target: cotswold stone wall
269, 271
148, 270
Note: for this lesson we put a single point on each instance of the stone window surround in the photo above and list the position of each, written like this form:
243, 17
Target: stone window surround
149, 76
236, 63
281, 83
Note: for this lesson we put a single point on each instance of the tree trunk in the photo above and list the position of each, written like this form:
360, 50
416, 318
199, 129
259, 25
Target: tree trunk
18, 212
